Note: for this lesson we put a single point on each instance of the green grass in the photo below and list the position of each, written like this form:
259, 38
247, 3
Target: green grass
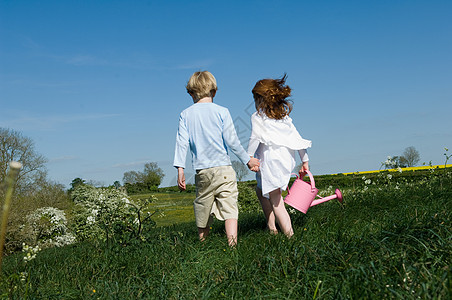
387, 242
173, 208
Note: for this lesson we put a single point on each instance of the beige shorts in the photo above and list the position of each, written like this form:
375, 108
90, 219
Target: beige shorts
216, 194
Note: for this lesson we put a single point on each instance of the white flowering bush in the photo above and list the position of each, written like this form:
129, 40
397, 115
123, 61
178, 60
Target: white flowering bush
47, 227
107, 213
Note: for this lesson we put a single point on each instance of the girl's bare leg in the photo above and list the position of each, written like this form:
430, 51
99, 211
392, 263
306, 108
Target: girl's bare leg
282, 216
268, 211
231, 231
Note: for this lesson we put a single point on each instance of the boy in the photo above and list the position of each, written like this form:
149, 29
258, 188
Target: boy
208, 130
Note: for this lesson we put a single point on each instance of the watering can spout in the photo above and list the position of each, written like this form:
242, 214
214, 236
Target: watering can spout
337, 195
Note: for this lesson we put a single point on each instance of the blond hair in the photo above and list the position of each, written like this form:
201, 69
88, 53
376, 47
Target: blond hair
201, 84
270, 96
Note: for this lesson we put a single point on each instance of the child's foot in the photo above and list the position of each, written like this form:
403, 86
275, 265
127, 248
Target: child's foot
289, 234
273, 231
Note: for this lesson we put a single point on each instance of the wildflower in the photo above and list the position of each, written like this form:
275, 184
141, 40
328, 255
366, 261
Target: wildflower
90, 220
389, 176
368, 181
23, 276
30, 252
399, 169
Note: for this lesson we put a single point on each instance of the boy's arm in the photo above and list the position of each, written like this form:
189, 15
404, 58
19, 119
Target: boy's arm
182, 144
232, 141
181, 179
180, 152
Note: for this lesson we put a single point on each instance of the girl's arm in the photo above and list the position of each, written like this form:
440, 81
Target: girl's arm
305, 160
253, 145
303, 155
254, 142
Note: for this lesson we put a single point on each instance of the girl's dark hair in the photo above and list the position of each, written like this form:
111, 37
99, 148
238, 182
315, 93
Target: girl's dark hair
270, 96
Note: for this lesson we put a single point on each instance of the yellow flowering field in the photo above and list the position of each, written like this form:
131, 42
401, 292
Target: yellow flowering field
403, 169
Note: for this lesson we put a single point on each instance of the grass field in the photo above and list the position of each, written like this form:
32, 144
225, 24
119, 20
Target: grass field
388, 241
173, 208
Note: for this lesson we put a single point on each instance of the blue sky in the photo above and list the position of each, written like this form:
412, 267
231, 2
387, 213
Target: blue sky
99, 85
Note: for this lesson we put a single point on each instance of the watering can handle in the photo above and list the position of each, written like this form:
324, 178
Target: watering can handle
311, 179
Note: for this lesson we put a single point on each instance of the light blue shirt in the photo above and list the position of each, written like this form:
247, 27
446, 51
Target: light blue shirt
208, 130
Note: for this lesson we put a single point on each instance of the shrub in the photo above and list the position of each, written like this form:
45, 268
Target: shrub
46, 194
247, 199
47, 227
106, 213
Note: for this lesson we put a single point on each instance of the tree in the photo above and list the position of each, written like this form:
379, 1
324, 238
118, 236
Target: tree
132, 177
410, 157
15, 147
76, 183
240, 169
151, 177
393, 162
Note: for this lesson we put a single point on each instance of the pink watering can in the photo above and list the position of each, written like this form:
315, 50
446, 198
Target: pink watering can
301, 194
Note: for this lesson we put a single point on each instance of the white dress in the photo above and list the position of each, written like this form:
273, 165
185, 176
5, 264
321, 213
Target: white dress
274, 143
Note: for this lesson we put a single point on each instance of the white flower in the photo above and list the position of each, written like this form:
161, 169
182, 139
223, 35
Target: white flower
368, 181
90, 220
30, 252
389, 176
23, 276
62, 240
399, 169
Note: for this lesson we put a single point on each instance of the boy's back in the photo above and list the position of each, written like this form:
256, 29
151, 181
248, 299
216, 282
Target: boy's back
208, 130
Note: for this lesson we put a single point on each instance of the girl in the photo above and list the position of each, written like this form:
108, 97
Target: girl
274, 140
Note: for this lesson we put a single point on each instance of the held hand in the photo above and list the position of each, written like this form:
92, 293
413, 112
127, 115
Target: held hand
181, 179
255, 169
304, 168
253, 164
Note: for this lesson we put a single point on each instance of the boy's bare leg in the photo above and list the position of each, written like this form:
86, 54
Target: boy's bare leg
268, 211
203, 233
282, 216
231, 231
